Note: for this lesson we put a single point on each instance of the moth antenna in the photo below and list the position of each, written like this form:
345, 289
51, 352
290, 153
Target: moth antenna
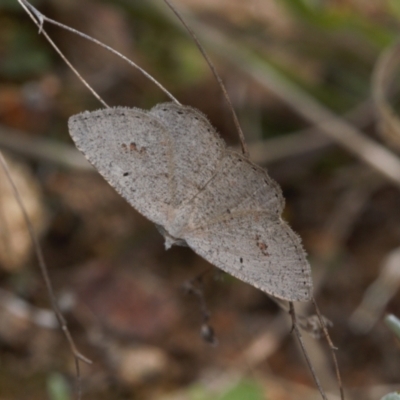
216, 75
39, 20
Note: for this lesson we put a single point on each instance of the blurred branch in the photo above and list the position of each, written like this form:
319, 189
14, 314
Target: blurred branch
378, 294
305, 141
382, 83
290, 145
45, 150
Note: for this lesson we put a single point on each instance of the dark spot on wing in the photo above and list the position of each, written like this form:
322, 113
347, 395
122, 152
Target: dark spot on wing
134, 147
262, 246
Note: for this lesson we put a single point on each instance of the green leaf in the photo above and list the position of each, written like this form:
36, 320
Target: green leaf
58, 388
394, 7
245, 389
248, 390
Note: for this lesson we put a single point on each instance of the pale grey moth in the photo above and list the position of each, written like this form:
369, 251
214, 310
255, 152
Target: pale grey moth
170, 164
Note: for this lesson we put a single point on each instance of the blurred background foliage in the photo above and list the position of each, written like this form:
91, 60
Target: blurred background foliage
127, 310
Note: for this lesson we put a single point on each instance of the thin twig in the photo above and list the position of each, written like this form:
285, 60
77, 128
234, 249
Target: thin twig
43, 268
296, 329
331, 346
78, 379
39, 19
216, 75
42, 18
207, 331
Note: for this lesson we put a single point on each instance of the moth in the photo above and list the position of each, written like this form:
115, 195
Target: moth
171, 165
